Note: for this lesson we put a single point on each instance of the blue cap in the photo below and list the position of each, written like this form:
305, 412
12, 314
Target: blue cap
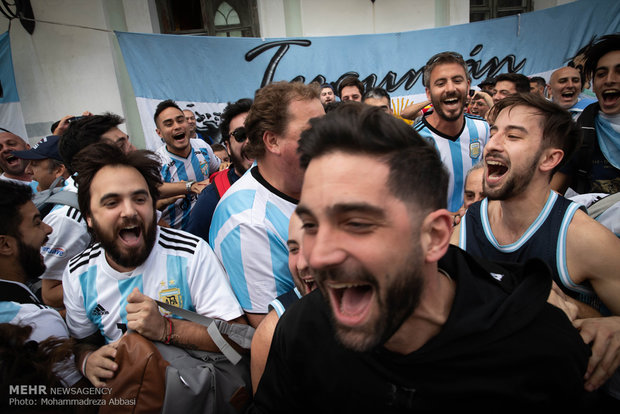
46, 148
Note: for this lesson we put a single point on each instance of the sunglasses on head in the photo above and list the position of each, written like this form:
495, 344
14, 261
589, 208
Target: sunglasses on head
239, 134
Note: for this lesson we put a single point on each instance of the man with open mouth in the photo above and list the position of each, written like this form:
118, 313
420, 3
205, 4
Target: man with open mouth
458, 136
304, 284
565, 87
14, 168
402, 321
183, 159
109, 288
596, 167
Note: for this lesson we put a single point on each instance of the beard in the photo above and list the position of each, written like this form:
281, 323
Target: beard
395, 301
127, 257
438, 106
237, 160
515, 184
30, 259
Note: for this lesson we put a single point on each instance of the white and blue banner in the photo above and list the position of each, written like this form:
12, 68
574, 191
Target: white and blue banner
204, 73
11, 116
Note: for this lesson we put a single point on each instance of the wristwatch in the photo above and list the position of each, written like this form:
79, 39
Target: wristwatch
188, 186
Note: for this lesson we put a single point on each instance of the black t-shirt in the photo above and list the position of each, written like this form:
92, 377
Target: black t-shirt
503, 347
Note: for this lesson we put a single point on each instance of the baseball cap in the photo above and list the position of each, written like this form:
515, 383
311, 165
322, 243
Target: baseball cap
46, 148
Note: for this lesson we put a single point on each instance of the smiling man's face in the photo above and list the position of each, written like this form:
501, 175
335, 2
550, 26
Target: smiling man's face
172, 128
9, 163
122, 216
606, 82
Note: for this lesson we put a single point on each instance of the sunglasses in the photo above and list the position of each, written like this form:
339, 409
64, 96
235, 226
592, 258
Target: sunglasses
239, 134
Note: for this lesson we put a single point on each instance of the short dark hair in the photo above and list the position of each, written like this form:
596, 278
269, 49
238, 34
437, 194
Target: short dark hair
269, 112
332, 105
218, 147
490, 81
443, 58
163, 105
597, 49
559, 129
232, 110
84, 132
417, 175
14, 196
96, 156
378, 93
521, 82
539, 81
350, 81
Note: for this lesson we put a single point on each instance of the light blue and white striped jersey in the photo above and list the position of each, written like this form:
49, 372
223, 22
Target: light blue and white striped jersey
458, 153
198, 166
180, 270
45, 322
248, 234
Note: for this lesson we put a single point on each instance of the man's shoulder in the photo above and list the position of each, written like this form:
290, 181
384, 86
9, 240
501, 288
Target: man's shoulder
81, 262
61, 213
198, 144
178, 242
475, 118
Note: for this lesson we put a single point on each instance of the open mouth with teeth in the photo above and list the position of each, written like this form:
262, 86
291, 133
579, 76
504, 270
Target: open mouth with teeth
11, 159
610, 96
130, 235
495, 171
351, 302
308, 283
568, 94
178, 137
452, 102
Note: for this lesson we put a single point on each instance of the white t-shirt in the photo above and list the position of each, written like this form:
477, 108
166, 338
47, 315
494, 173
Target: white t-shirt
181, 270
68, 238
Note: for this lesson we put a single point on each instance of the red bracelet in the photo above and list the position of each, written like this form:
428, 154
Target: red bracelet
169, 337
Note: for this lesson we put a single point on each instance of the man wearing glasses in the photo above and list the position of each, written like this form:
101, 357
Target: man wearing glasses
235, 140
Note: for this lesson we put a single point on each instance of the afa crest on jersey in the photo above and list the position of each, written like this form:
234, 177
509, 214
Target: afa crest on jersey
474, 149
171, 297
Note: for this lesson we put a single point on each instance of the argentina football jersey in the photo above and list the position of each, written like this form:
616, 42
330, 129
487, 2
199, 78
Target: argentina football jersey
180, 270
459, 153
197, 166
248, 233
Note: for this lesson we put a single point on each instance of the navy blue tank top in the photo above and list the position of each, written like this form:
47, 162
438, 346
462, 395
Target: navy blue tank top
545, 239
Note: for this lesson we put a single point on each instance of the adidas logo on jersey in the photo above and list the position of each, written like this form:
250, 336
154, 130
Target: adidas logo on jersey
99, 311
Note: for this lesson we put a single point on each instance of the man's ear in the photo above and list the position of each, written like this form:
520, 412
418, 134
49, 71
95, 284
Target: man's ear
550, 158
428, 93
8, 245
89, 221
158, 132
435, 234
60, 170
271, 142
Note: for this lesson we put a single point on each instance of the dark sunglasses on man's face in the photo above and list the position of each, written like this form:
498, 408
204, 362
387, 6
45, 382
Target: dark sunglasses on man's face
239, 134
